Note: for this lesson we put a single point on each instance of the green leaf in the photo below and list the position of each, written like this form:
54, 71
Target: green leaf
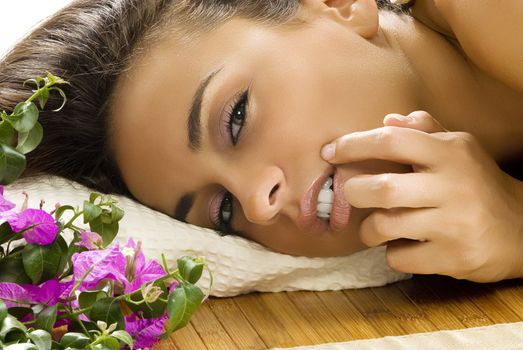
107, 343
55, 80
22, 346
107, 310
94, 196
12, 164
107, 231
64, 257
6, 133
60, 211
6, 233
3, 310
71, 250
20, 312
116, 213
24, 117
43, 96
91, 211
183, 303
12, 270
86, 299
47, 318
149, 310
41, 263
41, 338
64, 98
75, 340
12, 330
124, 337
28, 141
190, 269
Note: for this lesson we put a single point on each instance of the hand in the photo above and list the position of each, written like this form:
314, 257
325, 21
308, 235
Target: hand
456, 214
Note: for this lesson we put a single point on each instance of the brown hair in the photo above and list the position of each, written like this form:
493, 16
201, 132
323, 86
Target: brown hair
89, 44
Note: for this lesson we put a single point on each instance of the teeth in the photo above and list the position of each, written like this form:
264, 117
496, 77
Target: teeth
325, 199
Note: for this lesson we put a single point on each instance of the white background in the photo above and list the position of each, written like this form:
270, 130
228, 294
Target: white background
17, 17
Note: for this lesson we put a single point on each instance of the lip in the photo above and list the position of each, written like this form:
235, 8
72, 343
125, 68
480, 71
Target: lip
339, 219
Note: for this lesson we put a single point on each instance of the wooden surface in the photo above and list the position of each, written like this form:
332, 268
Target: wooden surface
421, 304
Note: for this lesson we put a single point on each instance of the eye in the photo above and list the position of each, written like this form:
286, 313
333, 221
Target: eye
222, 213
225, 214
237, 116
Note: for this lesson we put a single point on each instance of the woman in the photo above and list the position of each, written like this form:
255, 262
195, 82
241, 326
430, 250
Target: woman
219, 113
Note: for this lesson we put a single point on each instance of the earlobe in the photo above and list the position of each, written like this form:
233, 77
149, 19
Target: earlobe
360, 15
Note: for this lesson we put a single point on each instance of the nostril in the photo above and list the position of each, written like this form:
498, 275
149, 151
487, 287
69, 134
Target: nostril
272, 195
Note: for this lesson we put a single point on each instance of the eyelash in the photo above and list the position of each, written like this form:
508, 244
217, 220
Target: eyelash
221, 223
226, 203
240, 102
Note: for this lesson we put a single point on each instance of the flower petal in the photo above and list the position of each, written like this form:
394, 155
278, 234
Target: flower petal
105, 264
42, 226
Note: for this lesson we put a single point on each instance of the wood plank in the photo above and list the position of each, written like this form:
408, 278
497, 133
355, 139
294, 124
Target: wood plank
165, 345
375, 312
299, 327
319, 317
269, 327
348, 315
236, 324
511, 294
442, 317
481, 296
412, 319
210, 330
186, 338
424, 303
461, 306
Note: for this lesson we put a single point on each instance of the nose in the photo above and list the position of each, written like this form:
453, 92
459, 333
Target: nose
263, 195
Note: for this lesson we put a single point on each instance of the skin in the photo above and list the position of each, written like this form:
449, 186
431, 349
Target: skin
305, 92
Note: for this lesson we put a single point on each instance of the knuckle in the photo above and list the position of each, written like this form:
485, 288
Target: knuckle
343, 142
374, 229
386, 137
386, 188
423, 116
394, 261
463, 143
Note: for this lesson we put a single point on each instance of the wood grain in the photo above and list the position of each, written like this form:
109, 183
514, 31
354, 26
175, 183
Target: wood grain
421, 304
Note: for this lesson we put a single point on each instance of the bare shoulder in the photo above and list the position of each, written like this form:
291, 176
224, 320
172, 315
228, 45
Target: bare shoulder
490, 32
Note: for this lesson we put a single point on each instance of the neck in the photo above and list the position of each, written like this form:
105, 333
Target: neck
452, 89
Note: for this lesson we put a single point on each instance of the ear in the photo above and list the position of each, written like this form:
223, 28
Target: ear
360, 15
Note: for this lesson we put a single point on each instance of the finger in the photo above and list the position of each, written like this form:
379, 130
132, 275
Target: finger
411, 190
413, 257
383, 226
419, 120
401, 145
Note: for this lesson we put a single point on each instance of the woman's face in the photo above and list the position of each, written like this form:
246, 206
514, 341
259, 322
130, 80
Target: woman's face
226, 130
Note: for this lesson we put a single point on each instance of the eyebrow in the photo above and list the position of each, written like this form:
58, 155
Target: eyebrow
183, 207
194, 122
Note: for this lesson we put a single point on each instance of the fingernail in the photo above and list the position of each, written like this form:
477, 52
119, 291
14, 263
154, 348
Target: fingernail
328, 151
400, 118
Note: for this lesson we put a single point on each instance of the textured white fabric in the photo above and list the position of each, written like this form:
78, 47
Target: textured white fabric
238, 265
507, 336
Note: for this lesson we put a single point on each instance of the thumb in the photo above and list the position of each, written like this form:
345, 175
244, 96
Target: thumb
419, 120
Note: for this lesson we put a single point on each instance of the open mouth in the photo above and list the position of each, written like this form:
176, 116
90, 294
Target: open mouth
325, 200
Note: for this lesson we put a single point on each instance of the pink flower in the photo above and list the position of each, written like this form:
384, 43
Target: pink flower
40, 226
5, 205
48, 293
90, 240
146, 332
127, 266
